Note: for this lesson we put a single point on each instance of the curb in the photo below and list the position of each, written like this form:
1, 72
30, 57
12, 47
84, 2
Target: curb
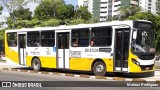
84, 76
81, 75
100, 77
119, 78
68, 74
158, 81
139, 80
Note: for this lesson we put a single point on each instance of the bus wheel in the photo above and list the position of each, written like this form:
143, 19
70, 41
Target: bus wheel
36, 64
99, 68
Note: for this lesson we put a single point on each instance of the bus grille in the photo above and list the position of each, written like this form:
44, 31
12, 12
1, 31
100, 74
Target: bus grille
146, 57
147, 67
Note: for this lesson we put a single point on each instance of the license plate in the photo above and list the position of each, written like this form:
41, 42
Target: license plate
147, 68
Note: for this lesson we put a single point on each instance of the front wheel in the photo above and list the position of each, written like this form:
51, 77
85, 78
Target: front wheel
36, 64
99, 68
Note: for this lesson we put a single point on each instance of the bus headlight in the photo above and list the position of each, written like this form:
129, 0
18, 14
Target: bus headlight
135, 62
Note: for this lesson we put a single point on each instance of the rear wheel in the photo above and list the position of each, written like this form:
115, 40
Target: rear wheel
99, 68
36, 64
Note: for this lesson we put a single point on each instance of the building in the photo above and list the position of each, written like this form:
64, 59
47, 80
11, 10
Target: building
103, 9
87, 3
148, 5
99, 8
126, 3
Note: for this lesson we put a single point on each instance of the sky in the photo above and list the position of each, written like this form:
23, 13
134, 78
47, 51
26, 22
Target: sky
74, 2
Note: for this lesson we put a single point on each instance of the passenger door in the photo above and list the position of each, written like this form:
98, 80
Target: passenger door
121, 49
22, 48
63, 49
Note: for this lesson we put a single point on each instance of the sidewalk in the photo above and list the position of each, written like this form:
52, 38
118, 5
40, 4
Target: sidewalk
157, 72
9, 65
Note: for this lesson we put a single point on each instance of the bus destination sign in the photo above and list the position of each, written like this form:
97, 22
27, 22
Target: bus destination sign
143, 25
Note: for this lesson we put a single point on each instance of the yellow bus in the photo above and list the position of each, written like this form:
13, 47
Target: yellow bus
117, 46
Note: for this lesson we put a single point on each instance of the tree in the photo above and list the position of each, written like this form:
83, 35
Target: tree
47, 9
12, 5
65, 12
77, 21
127, 11
142, 16
1, 8
156, 22
51, 22
19, 15
22, 14
82, 13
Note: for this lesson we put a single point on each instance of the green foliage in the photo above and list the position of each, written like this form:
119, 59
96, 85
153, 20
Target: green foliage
92, 20
12, 5
132, 18
47, 9
65, 12
77, 21
43, 11
2, 35
82, 13
25, 23
156, 21
142, 16
22, 14
51, 22
126, 12
47, 13
56, 9
1, 8
35, 23
10, 22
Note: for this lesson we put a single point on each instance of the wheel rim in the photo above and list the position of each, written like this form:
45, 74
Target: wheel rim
36, 65
99, 68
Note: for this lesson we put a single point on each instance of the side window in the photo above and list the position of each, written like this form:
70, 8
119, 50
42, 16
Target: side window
80, 37
101, 36
33, 39
12, 39
47, 38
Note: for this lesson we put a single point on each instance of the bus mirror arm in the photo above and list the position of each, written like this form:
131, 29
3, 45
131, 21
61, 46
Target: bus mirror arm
133, 41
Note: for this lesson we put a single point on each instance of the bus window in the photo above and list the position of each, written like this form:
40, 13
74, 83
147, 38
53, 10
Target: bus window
12, 39
80, 37
33, 39
47, 38
102, 36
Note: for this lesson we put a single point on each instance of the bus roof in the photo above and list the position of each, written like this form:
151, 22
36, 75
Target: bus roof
64, 27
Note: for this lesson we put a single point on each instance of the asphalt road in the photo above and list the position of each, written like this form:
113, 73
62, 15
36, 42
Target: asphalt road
23, 76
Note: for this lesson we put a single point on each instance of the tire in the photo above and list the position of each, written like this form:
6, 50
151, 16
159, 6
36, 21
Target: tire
36, 64
99, 68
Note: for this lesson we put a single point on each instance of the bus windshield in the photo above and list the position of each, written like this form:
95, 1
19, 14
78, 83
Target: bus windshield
143, 42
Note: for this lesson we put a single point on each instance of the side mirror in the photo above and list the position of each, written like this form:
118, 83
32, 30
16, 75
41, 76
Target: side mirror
134, 34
